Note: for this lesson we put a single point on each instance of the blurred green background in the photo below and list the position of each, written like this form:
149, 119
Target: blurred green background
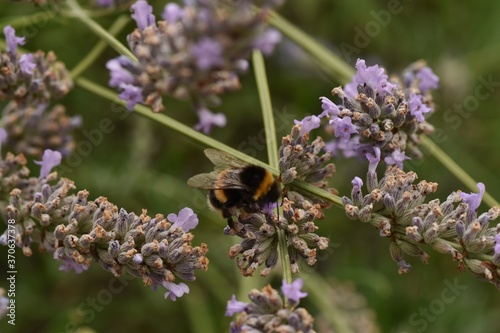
141, 164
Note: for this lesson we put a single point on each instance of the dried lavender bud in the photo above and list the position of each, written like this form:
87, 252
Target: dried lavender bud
452, 227
78, 230
196, 53
259, 233
30, 79
306, 161
32, 129
377, 113
268, 313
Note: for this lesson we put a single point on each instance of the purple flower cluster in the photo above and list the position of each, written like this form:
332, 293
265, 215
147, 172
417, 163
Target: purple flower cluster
77, 230
375, 112
30, 78
398, 208
267, 311
32, 81
195, 53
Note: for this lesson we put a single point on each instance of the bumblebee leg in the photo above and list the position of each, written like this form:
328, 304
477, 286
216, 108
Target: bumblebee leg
230, 228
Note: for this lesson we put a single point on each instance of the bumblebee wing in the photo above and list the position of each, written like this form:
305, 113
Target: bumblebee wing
204, 181
231, 180
212, 181
223, 160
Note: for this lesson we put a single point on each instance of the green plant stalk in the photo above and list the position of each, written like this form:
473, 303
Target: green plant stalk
322, 293
344, 72
96, 51
198, 310
267, 108
272, 148
205, 140
333, 64
77, 12
454, 168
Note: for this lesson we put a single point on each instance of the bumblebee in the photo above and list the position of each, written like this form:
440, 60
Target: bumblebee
236, 185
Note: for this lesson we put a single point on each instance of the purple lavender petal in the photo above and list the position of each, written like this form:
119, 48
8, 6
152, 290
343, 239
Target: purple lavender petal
330, 109
497, 244
143, 14
474, 199
428, 80
397, 158
266, 41
373, 76
208, 53
343, 127
417, 108
292, 291
11, 39
131, 94
357, 182
172, 12
50, 159
207, 119
118, 73
175, 290
308, 123
234, 306
27, 64
373, 159
186, 220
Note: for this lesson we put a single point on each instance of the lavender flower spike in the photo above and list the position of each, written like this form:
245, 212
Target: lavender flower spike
50, 159
267, 312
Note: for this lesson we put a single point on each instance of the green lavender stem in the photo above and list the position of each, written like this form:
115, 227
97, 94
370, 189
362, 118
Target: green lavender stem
77, 12
96, 51
333, 65
321, 292
267, 108
272, 147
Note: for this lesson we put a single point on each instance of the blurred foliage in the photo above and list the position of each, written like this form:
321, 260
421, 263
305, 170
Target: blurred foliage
141, 164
